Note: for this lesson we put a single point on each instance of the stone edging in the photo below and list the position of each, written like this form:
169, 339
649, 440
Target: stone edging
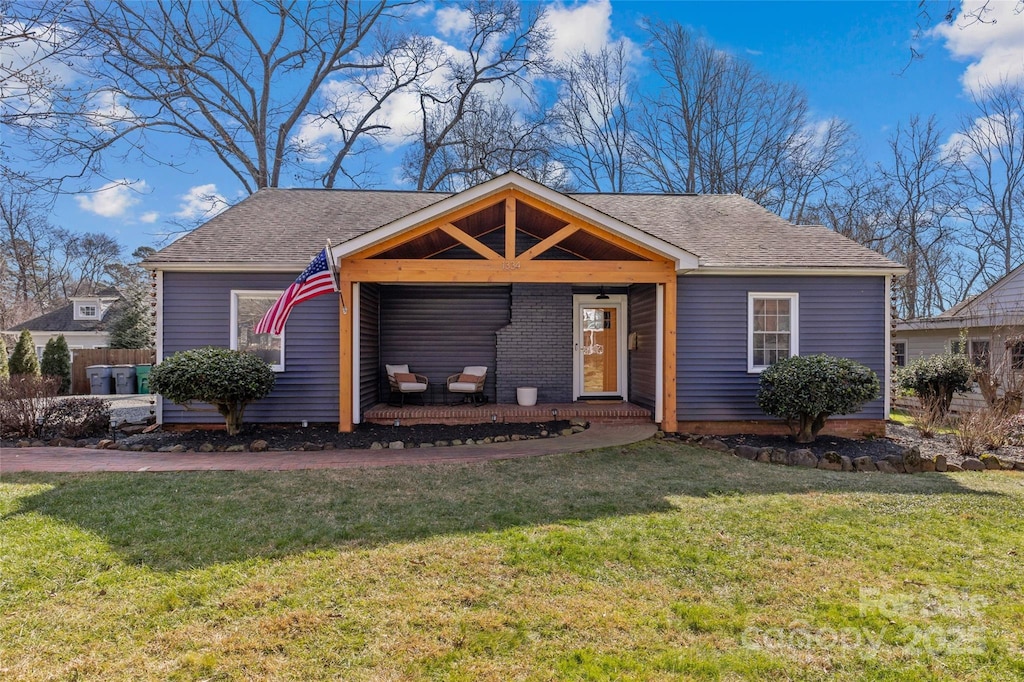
910, 461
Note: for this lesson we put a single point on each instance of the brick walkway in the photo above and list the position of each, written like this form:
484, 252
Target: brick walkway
84, 459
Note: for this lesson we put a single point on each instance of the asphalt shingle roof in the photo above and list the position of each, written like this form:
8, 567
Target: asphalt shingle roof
63, 320
728, 231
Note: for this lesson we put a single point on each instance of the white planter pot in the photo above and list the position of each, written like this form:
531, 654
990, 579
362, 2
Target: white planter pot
526, 396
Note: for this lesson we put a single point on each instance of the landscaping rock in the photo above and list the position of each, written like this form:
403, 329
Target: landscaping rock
376, 445
1018, 466
940, 463
104, 444
927, 465
747, 452
991, 462
803, 458
896, 462
235, 448
544, 434
972, 464
426, 445
578, 421
831, 461
441, 443
847, 463
470, 441
912, 460
311, 447
954, 467
178, 447
66, 443
488, 440
132, 429
864, 463
779, 456
764, 455
456, 441
396, 445
568, 432
886, 467
714, 444
259, 446
38, 444
206, 447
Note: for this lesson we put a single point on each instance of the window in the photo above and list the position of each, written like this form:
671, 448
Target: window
247, 307
980, 353
1017, 355
772, 329
87, 311
899, 353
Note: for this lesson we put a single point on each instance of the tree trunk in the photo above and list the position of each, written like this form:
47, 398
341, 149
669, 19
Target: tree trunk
232, 414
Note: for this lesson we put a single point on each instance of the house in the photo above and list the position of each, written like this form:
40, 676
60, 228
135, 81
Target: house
988, 327
83, 321
674, 303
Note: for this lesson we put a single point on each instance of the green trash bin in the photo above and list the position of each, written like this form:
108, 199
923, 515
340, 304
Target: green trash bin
142, 377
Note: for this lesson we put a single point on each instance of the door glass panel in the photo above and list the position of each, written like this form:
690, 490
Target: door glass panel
599, 351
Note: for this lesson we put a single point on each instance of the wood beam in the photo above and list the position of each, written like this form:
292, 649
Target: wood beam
551, 241
472, 242
346, 410
510, 227
592, 229
669, 348
439, 271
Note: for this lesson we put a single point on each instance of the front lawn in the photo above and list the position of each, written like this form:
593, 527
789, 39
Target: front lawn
658, 561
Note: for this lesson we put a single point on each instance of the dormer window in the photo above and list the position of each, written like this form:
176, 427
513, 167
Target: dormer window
87, 311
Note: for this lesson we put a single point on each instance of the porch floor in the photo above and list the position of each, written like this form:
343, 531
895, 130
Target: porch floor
598, 412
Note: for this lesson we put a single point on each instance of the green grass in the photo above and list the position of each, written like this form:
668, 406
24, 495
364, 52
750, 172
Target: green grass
652, 562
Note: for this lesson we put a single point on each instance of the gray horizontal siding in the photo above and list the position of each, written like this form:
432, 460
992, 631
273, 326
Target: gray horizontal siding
841, 316
643, 362
439, 330
197, 312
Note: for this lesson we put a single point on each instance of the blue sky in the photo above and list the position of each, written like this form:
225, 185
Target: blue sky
849, 57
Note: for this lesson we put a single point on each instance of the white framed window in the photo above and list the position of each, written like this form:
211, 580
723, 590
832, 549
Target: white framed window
772, 328
899, 353
87, 311
977, 350
247, 307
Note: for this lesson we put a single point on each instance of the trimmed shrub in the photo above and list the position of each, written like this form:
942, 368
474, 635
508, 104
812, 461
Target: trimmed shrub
227, 379
935, 379
807, 390
77, 417
57, 362
23, 358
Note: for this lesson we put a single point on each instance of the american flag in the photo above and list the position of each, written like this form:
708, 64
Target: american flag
316, 280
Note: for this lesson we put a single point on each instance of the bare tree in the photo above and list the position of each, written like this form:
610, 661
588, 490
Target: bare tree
921, 192
990, 151
503, 47
237, 79
593, 119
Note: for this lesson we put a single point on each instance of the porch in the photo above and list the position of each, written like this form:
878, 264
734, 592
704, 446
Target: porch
603, 412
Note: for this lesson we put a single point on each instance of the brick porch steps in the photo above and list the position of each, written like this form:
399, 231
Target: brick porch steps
599, 413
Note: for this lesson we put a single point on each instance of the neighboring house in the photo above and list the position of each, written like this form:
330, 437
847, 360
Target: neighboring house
990, 326
83, 321
672, 302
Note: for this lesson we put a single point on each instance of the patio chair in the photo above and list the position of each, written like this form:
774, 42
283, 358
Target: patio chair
469, 384
403, 382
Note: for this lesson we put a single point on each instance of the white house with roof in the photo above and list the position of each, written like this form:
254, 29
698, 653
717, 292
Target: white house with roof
83, 321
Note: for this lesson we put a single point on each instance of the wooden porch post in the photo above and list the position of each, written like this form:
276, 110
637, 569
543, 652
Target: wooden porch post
668, 420
345, 378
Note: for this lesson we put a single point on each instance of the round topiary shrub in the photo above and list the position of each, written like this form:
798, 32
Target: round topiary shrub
227, 379
807, 390
936, 378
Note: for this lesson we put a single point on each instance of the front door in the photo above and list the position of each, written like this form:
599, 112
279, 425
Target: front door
600, 366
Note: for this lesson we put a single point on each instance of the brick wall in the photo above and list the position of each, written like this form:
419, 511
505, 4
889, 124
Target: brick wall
535, 349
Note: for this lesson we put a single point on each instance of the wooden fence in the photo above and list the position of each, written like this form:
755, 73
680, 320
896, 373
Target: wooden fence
104, 356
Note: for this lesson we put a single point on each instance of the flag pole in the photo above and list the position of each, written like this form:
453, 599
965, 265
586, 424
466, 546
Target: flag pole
334, 277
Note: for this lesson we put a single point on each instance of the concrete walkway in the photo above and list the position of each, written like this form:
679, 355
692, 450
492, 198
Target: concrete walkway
72, 460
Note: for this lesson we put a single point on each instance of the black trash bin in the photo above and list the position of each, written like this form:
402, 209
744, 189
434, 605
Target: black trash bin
100, 378
124, 379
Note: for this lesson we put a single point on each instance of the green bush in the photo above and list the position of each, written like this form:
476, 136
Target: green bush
227, 379
57, 362
807, 390
5, 372
936, 378
23, 359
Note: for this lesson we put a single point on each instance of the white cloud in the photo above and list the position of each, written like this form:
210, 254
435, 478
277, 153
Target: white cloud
990, 35
113, 199
201, 202
108, 110
987, 132
28, 72
453, 20
149, 217
578, 27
